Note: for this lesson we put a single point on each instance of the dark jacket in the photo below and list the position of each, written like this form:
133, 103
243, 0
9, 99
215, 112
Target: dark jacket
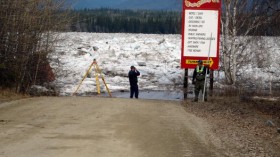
133, 80
195, 73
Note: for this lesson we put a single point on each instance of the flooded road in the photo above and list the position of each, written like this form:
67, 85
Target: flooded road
153, 95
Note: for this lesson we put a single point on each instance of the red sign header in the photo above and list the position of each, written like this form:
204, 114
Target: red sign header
202, 4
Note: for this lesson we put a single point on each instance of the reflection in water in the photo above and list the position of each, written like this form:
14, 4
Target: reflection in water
156, 95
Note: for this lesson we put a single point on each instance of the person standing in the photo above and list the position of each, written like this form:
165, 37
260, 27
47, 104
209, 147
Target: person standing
199, 80
133, 80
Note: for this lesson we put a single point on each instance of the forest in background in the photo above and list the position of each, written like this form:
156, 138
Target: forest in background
126, 21
107, 20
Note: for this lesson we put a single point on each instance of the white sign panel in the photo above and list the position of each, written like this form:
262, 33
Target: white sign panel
199, 24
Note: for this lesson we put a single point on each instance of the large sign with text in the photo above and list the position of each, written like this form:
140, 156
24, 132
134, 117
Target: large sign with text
201, 33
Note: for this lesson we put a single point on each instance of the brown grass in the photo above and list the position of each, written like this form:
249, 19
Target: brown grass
241, 125
7, 95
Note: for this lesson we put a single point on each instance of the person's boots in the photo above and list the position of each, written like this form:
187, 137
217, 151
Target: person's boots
196, 97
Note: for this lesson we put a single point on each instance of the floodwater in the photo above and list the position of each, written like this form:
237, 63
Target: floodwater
174, 95
153, 95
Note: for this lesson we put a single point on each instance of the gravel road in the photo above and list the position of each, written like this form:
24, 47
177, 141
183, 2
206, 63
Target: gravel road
101, 127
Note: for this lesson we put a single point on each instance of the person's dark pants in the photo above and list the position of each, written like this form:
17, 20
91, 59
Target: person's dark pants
134, 90
199, 86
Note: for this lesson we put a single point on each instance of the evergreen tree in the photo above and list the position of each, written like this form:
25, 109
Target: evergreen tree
126, 21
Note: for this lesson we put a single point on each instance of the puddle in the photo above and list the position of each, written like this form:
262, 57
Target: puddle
150, 95
153, 95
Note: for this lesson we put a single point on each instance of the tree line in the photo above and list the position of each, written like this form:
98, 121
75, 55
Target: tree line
126, 21
170, 22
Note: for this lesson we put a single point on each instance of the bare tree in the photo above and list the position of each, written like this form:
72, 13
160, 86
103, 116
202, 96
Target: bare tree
26, 38
240, 18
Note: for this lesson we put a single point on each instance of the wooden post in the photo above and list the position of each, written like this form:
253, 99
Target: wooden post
186, 84
211, 83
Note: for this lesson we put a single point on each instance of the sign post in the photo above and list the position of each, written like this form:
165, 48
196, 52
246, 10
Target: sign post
201, 18
201, 25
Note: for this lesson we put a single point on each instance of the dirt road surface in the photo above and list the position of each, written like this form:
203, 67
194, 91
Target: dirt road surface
101, 127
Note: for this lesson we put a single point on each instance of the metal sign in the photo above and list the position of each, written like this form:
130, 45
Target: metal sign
201, 33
